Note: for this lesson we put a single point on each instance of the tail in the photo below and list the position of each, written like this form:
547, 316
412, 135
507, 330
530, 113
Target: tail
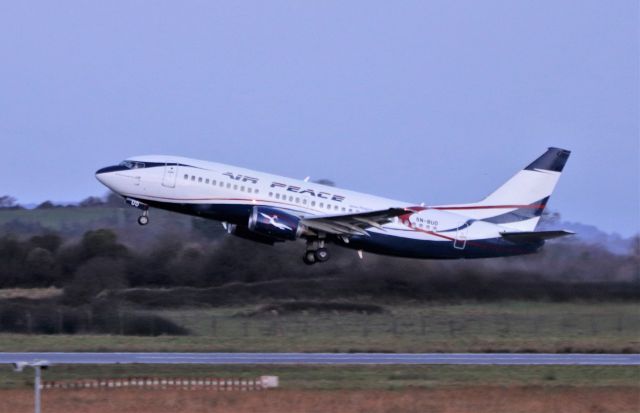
519, 203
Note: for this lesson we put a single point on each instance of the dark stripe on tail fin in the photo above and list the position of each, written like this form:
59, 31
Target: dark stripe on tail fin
520, 214
553, 159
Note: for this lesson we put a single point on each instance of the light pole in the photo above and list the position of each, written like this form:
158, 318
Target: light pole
37, 365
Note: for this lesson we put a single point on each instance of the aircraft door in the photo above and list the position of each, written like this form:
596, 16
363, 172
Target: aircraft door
461, 237
170, 175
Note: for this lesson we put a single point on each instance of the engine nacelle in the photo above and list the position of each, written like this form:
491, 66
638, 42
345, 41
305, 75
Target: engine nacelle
242, 231
275, 223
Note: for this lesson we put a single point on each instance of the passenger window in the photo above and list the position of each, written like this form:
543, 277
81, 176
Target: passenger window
228, 185
270, 194
290, 199
206, 181
313, 203
249, 189
221, 184
186, 176
304, 202
200, 179
242, 188
344, 209
193, 178
297, 200
213, 182
235, 187
321, 205
256, 191
277, 196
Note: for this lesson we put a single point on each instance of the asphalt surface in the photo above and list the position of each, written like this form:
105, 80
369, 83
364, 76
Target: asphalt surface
325, 358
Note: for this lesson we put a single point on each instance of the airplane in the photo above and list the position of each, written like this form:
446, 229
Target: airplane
268, 209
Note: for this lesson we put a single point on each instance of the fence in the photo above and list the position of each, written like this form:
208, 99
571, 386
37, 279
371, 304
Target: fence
436, 326
156, 383
439, 326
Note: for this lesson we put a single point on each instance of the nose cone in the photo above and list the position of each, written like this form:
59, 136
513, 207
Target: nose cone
101, 175
106, 175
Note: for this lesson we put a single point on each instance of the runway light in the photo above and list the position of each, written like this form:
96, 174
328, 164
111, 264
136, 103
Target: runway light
37, 365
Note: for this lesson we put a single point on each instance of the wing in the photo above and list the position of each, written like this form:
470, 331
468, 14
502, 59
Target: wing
353, 224
533, 236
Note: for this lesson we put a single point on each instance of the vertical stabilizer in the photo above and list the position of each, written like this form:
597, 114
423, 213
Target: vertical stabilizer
519, 203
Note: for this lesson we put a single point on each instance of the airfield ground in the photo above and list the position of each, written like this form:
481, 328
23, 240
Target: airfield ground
385, 377
470, 399
445, 389
460, 327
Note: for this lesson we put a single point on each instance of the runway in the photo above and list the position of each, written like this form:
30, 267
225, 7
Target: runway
530, 359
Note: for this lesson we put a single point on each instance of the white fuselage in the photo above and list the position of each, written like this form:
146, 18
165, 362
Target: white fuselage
246, 198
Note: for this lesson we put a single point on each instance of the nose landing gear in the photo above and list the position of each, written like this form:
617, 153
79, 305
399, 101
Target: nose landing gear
144, 218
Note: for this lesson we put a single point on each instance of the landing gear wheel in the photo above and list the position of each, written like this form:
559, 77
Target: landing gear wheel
321, 254
143, 220
309, 258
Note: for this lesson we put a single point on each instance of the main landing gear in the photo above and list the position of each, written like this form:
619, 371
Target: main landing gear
316, 252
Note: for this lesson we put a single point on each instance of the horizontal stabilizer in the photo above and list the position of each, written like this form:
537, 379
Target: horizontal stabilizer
533, 236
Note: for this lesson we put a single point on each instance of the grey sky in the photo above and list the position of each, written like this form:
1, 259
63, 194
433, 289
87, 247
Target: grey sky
426, 101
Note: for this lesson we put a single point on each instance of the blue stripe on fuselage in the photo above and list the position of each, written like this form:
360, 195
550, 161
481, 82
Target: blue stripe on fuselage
417, 248
378, 243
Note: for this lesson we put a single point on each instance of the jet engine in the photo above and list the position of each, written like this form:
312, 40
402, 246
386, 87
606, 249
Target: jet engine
274, 223
242, 231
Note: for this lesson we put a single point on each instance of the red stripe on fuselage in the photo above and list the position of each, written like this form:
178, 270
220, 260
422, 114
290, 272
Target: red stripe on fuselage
534, 206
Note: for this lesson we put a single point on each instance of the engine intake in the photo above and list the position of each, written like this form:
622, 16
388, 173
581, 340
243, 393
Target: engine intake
274, 223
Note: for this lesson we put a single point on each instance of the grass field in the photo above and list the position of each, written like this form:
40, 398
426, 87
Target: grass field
471, 327
511, 326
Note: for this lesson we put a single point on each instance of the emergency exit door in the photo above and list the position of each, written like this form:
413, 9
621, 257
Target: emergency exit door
460, 242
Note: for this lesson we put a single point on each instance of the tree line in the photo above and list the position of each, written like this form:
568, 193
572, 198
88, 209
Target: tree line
100, 261
8, 202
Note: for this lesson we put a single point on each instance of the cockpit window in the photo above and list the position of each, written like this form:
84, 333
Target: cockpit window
132, 164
